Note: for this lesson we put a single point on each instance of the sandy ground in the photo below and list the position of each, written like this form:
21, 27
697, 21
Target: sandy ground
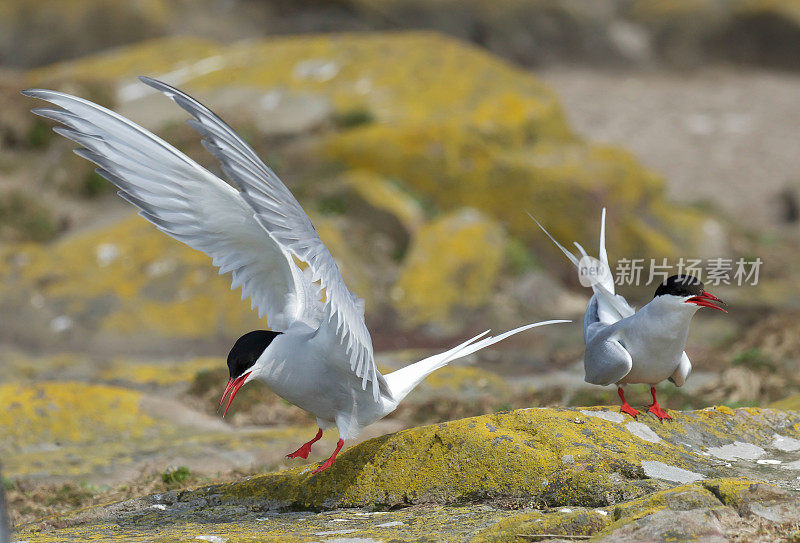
720, 136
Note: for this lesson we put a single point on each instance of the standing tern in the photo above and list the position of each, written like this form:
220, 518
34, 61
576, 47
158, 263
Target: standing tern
627, 346
318, 354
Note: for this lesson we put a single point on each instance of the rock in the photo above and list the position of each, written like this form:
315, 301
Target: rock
153, 288
106, 435
452, 265
509, 165
565, 522
694, 525
510, 471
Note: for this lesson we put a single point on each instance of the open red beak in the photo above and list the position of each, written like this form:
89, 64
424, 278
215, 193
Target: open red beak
233, 387
706, 299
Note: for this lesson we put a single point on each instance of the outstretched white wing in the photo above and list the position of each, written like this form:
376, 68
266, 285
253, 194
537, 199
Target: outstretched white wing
281, 215
189, 203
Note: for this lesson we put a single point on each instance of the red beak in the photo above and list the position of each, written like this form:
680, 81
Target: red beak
233, 387
706, 299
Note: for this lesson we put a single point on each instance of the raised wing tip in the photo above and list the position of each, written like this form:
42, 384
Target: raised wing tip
156, 84
147, 80
35, 93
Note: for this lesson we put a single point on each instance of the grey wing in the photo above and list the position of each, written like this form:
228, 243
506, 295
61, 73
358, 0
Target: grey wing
187, 202
591, 320
606, 360
682, 371
280, 214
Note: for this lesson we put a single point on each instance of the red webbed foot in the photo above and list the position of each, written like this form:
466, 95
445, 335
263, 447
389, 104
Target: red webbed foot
305, 448
625, 407
656, 409
658, 412
629, 410
329, 462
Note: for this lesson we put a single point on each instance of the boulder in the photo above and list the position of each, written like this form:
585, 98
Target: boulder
491, 478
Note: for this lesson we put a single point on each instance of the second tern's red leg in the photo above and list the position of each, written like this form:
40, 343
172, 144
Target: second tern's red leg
656, 409
305, 448
625, 407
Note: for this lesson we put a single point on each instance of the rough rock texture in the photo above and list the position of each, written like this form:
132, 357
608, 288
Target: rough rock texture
570, 471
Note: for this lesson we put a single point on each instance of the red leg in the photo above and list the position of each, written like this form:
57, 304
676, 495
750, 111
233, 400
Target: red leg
656, 409
625, 407
304, 449
329, 462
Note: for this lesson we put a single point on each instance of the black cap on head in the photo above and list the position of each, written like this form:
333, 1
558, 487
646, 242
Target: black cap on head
247, 349
681, 285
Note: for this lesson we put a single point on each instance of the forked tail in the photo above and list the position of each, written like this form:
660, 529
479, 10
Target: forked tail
404, 380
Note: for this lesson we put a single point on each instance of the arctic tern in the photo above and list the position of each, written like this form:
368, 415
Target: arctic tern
625, 346
318, 354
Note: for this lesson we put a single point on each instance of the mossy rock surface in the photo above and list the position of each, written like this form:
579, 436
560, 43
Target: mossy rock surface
452, 263
589, 471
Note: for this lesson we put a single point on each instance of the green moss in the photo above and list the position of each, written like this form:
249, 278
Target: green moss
39, 134
93, 185
175, 476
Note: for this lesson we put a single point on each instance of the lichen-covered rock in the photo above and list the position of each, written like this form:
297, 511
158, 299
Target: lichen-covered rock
144, 285
452, 264
570, 471
455, 164
106, 434
565, 522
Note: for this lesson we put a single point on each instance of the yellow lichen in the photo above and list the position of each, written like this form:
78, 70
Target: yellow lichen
142, 282
530, 525
452, 263
381, 194
67, 412
725, 409
521, 453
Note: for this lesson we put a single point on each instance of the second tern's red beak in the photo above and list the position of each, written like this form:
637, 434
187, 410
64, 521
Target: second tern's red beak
233, 387
706, 299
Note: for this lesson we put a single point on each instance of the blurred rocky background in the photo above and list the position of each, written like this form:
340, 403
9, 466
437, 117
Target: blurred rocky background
416, 135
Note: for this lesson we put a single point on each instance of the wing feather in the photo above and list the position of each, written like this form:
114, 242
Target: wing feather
187, 202
279, 213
